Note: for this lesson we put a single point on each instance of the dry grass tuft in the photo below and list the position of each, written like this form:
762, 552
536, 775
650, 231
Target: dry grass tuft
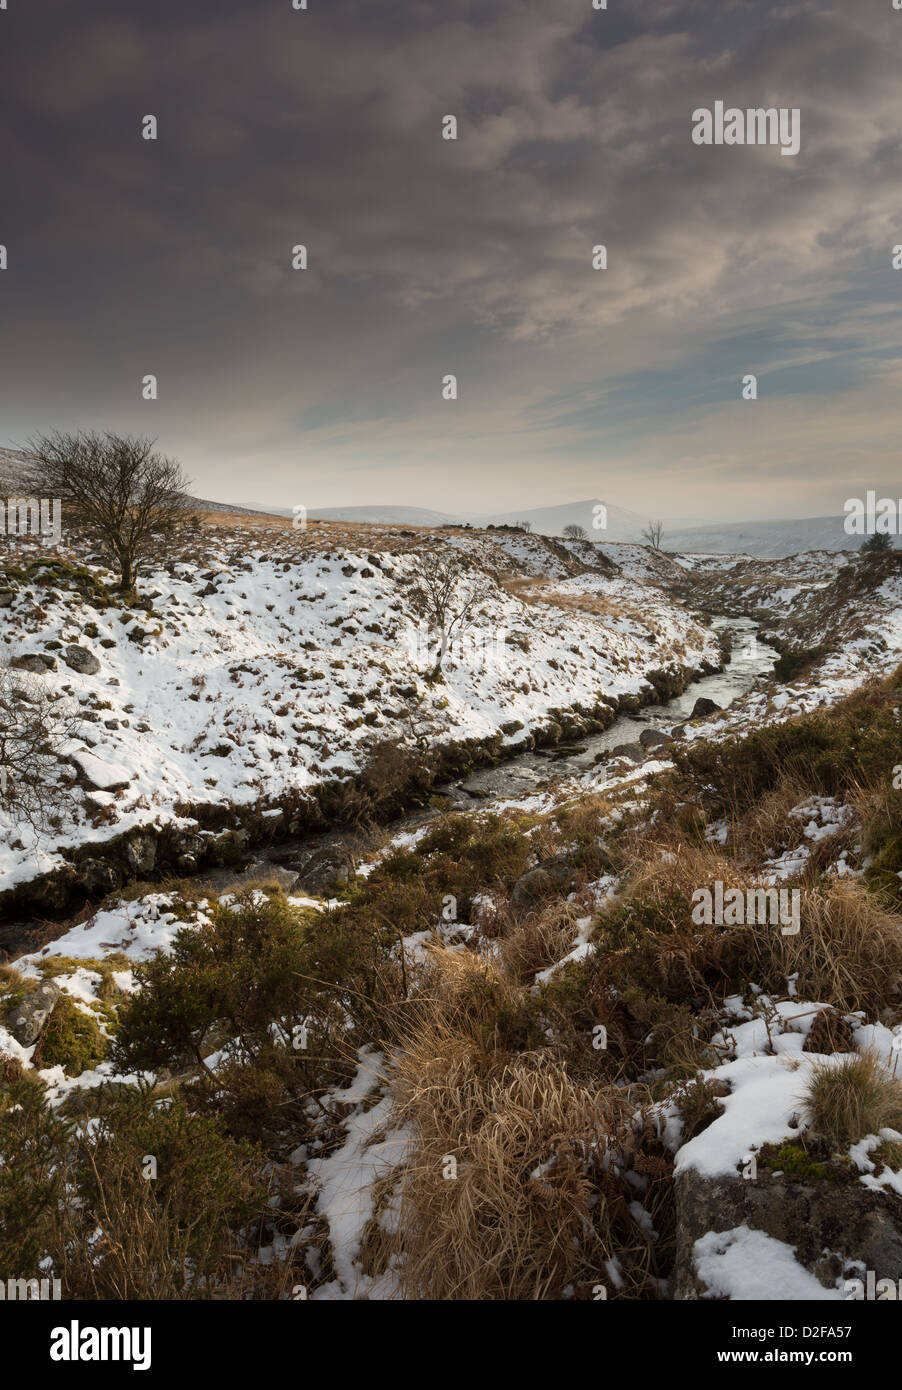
848, 952
854, 1099
508, 1192
537, 941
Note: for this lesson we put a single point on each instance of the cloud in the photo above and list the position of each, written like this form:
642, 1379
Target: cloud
472, 256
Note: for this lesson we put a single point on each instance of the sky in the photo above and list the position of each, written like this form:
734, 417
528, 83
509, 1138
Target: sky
429, 257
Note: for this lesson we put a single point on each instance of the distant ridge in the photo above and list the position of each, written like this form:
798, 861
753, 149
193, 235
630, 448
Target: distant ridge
761, 540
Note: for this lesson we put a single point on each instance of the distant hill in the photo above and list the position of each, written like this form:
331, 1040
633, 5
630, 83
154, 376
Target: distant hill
763, 540
398, 516
622, 525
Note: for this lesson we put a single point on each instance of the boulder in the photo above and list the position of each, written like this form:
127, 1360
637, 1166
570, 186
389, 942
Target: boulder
98, 877
96, 775
553, 875
325, 871
140, 853
32, 1013
704, 706
81, 660
654, 738
634, 751
38, 663
830, 1224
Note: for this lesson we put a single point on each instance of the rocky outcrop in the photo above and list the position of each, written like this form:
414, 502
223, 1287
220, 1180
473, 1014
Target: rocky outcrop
704, 706
830, 1224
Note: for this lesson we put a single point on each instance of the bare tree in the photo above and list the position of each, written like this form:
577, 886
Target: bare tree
524, 525
574, 532
35, 728
446, 590
131, 498
652, 534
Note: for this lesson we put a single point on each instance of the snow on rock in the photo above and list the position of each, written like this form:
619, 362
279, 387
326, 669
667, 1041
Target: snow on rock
748, 1265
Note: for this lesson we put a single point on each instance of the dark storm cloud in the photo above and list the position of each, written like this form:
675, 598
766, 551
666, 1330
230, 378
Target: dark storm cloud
473, 257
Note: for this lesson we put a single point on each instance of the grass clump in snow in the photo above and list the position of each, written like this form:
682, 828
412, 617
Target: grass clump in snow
845, 1103
70, 1039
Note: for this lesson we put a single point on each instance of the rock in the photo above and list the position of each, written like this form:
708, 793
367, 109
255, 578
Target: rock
830, 1224
704, 706
325, 871
188, 848
96, 775
263, 869
6, 597
38, 663
678, 731
81, 660
634, 751
140, 853
552, 875
654, 738
32, 1013
98, 876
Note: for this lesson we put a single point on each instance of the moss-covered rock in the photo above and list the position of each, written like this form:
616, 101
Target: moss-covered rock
70, 1039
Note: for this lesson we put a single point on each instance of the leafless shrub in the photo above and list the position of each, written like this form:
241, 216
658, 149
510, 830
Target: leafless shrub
652, 534
35, 728
446, 590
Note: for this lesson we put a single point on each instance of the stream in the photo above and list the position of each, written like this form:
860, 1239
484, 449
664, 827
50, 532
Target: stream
750, 661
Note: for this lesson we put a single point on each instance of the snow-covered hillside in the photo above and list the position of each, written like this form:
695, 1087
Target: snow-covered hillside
256, 673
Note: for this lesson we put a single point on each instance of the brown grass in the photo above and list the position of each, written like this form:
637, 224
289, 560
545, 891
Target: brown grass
847, 953
505, 1193
535, 942
847, 1102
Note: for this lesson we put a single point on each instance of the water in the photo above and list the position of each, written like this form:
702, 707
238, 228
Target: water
750, 659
